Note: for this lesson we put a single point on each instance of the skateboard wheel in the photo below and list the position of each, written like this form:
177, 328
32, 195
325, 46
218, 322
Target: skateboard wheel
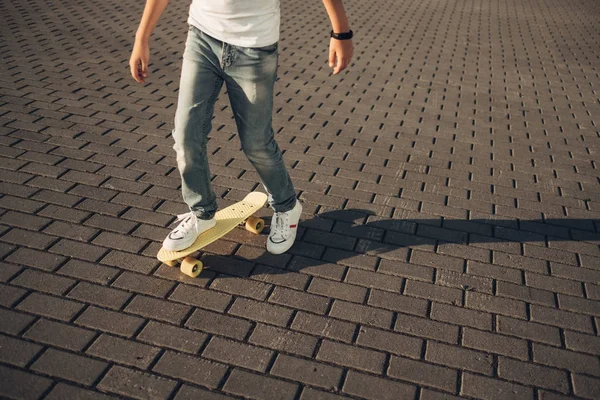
255, 224
191, 267
172, 263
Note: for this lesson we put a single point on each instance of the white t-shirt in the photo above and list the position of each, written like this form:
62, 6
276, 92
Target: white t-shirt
245, 23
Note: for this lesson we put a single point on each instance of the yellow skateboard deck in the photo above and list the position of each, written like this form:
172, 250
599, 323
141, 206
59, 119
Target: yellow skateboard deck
227, 219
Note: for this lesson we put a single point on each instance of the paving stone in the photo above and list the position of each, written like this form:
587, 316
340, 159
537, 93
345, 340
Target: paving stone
461, 316
324, 327
136, 384
529, 330
359, 384
586, 386
8, 271
350, 356
88, 271
242, 287
187, 368
532, 374
63, 213
131, 262
64, 391
263, 312
554, 284
25, 238
239, 354
308, 372
459, 357
143, 284
110, 321
489, 388
99, 295
361, 314
158, 309
259, 387
579, 305
434, 292
563, 319
583, 343
427, 328
496, 305
14, 322
283, 340
224, 325
48, 306
309, 393
279, 277
325, 287
394, 343
496, 344
163, 335
22, 385
189, 393
25, 221
60, 335
36, 259
299, 300
564, 359
123, 351
71, 231
43, 282
423, 373
69, 366
109, 223
397, 302
16, 351
411, 271
427, 394
71, 248
526, 293
436, 260
9, 295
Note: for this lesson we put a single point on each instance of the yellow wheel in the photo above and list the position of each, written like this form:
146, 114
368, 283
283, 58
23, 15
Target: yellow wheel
255, 224
191, 267
172, 263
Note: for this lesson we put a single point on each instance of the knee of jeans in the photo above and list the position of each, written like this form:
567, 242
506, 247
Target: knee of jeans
265, 154
186, 151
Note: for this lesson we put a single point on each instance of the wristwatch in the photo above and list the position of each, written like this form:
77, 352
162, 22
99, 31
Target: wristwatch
342, 36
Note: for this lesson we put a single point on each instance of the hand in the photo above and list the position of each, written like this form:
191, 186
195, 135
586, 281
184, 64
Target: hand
340, 54
138, 63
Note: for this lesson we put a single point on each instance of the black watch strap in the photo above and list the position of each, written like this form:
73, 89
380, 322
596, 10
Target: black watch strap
342, 36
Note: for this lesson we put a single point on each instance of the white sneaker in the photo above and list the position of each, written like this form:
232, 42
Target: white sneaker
187, 231
283, 230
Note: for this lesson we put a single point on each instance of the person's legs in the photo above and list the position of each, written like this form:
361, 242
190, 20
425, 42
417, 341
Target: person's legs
199, 87
250, 75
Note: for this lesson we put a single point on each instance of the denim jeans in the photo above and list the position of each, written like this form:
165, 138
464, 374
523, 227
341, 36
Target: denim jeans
249, 74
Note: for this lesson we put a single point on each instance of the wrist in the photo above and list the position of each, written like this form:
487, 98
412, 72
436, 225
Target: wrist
345, 35
142, 38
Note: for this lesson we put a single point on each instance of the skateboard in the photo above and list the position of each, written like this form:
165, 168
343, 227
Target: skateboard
227, 219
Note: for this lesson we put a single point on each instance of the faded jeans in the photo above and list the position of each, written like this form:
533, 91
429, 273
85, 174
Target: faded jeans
249, 74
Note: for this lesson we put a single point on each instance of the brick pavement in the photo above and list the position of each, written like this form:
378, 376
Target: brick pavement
449, 245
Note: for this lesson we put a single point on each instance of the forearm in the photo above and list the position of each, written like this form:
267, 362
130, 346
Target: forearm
150, 17
337, 15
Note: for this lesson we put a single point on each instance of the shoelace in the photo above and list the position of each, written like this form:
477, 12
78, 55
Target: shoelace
186, 225
280, 224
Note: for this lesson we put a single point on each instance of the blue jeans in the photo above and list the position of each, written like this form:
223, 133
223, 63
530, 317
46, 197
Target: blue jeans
249, 74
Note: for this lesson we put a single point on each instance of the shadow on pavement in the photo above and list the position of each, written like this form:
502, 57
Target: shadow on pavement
343, 236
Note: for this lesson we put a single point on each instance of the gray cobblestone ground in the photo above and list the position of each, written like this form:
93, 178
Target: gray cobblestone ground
450, 240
